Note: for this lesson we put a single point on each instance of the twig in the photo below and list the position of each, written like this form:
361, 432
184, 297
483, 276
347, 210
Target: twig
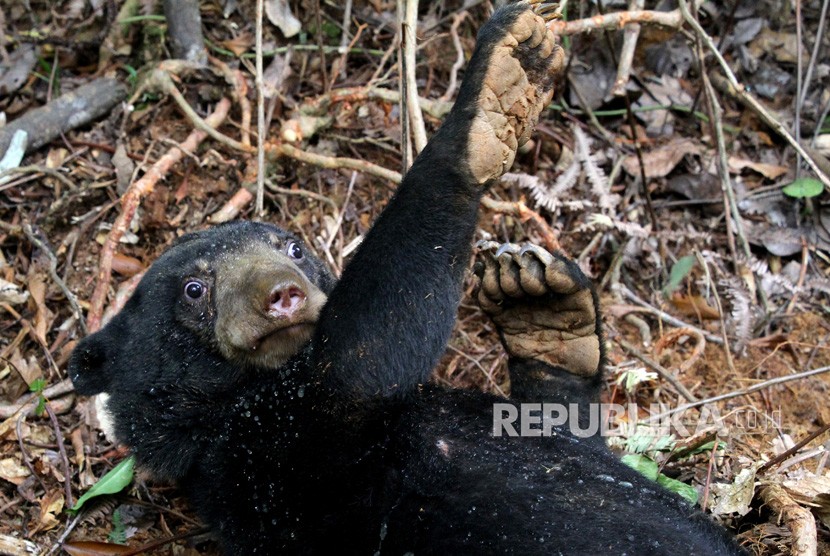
341, 212
408, 47
726, 349
780, 458
742, 392
302, 193
236, 79
260, 110
674, 321
130, 202
459, 59
232, 207
24, 454
50, 393
664, 373
284, 149
53, 272
822, 20
434, 107
630, 36
67, 482
478, 365
616, 20
342, 62
34, 169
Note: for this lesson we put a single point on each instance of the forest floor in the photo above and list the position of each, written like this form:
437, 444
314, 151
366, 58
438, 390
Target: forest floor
713, 277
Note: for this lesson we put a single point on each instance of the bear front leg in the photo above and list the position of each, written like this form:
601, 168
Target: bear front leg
388, 319
547, 314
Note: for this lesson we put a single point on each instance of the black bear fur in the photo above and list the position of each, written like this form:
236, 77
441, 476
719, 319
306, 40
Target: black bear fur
344, 447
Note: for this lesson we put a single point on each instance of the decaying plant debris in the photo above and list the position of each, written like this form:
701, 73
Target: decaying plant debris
713, 275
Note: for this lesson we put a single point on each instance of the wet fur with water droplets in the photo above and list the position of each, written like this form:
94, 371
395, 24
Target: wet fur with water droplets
342, 447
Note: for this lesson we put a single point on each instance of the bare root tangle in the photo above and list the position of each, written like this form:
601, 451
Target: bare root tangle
800, 521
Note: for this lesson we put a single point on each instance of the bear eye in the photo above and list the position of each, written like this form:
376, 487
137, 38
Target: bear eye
294, 250
194, 289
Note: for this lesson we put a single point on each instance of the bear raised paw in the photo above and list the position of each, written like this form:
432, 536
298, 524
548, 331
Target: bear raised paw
295, 414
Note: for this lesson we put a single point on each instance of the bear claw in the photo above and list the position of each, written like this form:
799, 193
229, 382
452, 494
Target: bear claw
542, 304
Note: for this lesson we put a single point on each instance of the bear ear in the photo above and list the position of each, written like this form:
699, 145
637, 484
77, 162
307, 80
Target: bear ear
88, 365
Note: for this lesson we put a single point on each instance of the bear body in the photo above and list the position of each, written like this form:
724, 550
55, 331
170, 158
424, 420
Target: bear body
294, 412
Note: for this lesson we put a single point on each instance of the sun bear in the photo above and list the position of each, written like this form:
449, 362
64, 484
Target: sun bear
295, 412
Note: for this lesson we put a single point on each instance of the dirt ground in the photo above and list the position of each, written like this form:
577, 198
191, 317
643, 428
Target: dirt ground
713, 277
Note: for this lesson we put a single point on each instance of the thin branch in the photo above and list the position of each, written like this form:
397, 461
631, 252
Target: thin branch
616, 20
737, 393
260, 113
459, 59
630, 36
333, 162
53, 272
664, 373
408, 46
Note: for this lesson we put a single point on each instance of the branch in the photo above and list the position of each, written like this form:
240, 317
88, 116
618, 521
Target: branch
616, 20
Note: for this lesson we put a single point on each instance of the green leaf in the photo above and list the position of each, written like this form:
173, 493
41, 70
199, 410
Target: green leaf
37, 385
643, 464
804, 188
686, 491
679, 271
114, 481
41, 406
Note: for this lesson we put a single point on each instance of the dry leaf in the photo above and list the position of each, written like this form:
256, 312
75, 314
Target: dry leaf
126, 265
27, 368
239, 45
11, 293
769, 171
808, 490
43, 316
12, 471
662, 160
279, 13
783, 46
51, 506
693, 306
735, 497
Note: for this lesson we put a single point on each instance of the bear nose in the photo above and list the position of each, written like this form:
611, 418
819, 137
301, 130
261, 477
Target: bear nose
285, 301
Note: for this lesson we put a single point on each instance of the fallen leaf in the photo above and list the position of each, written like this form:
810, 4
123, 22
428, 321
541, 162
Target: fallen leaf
114, 481
12, 471
43, 316
661, 161
734, 498
240, 44
693, 306
11, 293
279, 13
126, 265
783, 46
51, 506
769, 171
